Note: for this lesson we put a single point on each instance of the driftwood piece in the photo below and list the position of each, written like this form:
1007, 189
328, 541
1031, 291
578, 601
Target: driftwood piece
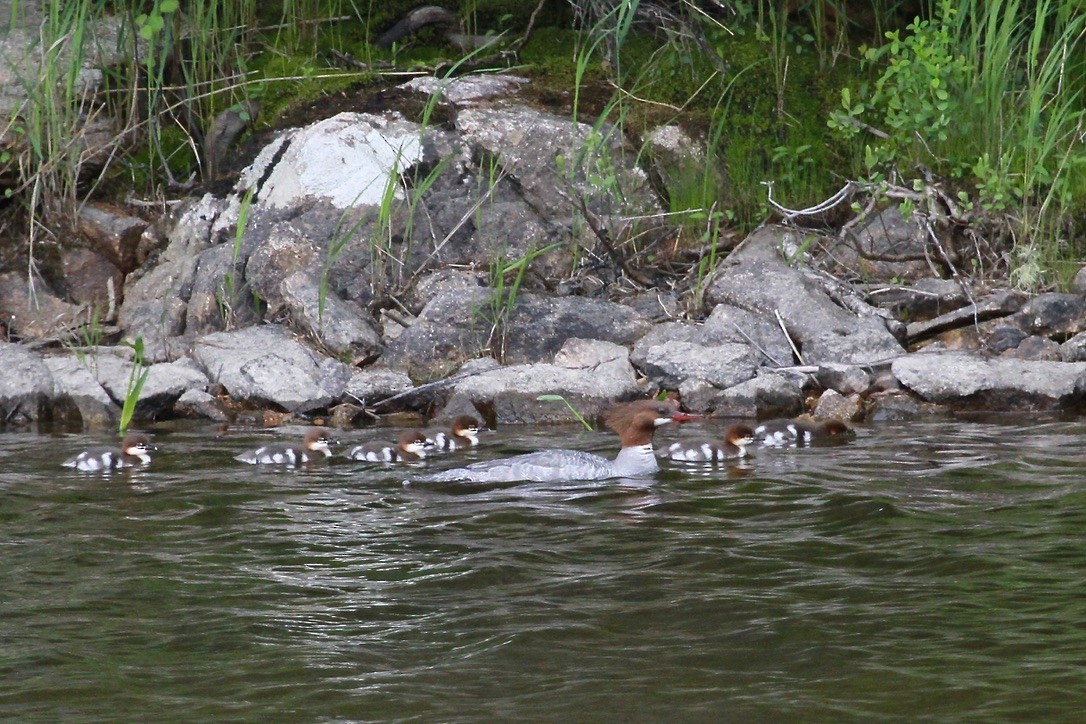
851, 299
112, 233
1001, 304
415, 21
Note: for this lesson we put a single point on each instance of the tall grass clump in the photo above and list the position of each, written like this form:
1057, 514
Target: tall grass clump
49, 127
137, 376
990, 94
188, 63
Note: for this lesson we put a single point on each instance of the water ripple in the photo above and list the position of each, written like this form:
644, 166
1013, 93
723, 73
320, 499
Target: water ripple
928, 569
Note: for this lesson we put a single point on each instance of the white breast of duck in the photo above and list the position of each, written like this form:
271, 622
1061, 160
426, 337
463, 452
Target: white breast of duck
733, 446
463, 432
412, 446
134, 450
315, 446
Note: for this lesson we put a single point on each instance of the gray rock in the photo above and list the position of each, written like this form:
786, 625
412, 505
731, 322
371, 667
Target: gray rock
769, 394
112, 368
728, 323
722, 366
924, 299
457, 325
200, 404
898, 405
1000, 304
526, 143
25, 387
538, 326
373, 384
832, 405
90, 279
759, 281
167, 382
450, 330
966, 381
1078, 284
507, 395
663, 335
37, 313
656, 305
606, 358
346, 160
156, 296
467, 90
341, 327
439, 282
1074, 349
679, 161
885, 248
1000, 337
74, 381
1036, 347
106, 44
266, 365
1054, 315
219, 298
845, 379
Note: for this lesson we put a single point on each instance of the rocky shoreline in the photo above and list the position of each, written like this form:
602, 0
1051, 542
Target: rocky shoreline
370, 264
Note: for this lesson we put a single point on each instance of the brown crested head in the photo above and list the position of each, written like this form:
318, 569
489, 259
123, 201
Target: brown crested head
136, 442
739, 435
635, 422
317, 438
461, 423
412, 437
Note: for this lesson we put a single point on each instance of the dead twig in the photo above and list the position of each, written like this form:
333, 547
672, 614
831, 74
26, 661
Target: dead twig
795, 349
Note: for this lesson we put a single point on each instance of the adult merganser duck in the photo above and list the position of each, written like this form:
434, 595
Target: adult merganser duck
734, 445
635, 423
411, 447
314, 447
133, 451
800, 431
463, 432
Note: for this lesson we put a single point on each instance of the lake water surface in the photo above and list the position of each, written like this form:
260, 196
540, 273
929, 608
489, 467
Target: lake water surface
929, 569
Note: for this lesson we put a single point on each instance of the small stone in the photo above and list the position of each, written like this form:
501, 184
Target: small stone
832, 405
